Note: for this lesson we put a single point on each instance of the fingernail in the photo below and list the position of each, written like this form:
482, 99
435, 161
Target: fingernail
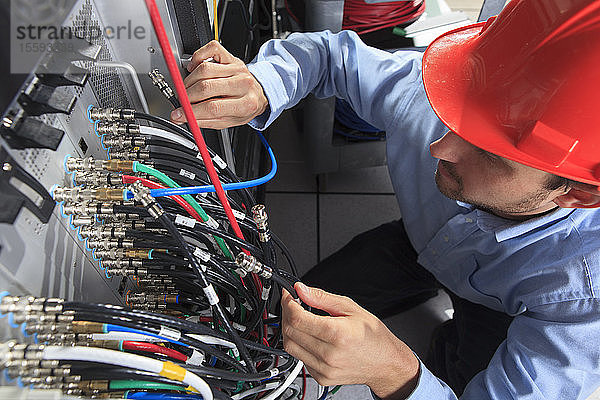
301, 286
176, 115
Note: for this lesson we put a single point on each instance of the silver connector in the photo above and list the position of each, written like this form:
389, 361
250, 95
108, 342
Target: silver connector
158, 79
142, 194
121, 142
117, 128
250, 264
111, 114
260, 217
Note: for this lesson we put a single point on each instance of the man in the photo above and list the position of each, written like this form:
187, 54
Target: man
504, 219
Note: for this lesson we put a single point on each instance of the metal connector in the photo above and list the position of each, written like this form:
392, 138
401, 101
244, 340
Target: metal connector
158, 79
77, 194
260, 217
111, 114
90, 164
249, 264
96, 178
118, 141
142, 194
117, 128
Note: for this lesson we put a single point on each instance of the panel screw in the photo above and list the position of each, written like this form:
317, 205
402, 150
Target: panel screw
151, 50
6, 167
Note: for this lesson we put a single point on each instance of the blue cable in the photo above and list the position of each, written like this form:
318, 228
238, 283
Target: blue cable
162, 396
226, 186
118, 328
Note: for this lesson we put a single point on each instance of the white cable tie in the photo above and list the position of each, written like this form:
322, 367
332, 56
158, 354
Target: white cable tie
185, 221
187, 174
169, 333
219, 161
211, 295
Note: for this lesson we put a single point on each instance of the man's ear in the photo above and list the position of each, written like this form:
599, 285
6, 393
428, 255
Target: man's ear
580, 195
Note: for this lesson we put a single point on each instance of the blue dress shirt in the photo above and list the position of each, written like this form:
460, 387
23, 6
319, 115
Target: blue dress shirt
545, 271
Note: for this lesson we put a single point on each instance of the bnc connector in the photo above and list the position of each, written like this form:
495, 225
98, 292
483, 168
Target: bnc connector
80, 208
82, 220
111, 114
158, 79
249, 264
117, 128
96, 178
80, 194
120, 142
109, 244
57, 338
102, 232
49, 328
143, 254
260, 217
131, 155
142, 194
83, 164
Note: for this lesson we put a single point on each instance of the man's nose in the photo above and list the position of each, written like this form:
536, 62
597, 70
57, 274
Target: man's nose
449, 147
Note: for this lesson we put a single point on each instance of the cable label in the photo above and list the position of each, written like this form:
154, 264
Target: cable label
212, 223
169, 333
237, 326
265, 293
239, 215
274, 372
185, 221
211, 295
202, 255
187, 174
219, 161
173, 371
197, 358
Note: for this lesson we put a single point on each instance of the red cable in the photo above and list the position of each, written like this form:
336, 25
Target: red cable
303, 383
128, 179
154, 348
364, 18
161, 34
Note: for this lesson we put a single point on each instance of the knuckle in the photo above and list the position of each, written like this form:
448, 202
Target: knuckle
214, 109
288, 331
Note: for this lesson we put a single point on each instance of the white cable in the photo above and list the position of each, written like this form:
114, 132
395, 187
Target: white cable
173, 137
127, 360
288, 381
125, 336
243, 395
212, 340
134, 77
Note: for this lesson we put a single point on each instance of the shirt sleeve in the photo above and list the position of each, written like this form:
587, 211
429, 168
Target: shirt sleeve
552, 352
376, 83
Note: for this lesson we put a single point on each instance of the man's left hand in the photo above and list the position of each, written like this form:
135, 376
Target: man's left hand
351, 346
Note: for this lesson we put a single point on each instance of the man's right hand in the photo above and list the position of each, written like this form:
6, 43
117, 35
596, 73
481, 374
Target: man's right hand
223, 92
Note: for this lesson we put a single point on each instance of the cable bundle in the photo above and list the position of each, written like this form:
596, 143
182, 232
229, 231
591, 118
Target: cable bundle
364, 17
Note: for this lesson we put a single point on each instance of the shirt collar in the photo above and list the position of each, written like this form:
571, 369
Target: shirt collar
505, 229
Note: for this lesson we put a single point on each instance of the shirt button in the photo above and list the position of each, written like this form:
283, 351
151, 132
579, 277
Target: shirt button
446, 238
469, 220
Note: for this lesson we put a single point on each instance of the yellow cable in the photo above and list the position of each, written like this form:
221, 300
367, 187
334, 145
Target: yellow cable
216, 17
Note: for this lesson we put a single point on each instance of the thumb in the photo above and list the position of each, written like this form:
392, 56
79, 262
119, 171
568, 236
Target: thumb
333, 304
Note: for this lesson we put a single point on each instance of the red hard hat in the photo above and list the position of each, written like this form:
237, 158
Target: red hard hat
525, 85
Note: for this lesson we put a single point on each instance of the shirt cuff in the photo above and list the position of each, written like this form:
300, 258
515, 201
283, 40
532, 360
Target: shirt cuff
274, 89
428, 387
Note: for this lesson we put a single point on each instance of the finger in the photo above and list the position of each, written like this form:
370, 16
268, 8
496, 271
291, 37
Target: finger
220, 87
306, 357
333, 304
584, 187
228, 110
307, 341
210, 70
295, 317
214, 50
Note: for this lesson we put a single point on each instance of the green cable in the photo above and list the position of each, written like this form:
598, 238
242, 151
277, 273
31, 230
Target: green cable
138, 167
128, 385
335, 389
